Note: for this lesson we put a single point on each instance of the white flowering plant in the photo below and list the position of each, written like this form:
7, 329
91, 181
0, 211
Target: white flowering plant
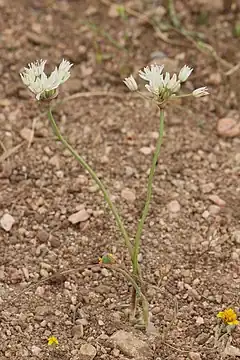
162, 88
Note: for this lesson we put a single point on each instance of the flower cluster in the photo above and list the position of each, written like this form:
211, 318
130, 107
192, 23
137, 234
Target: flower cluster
163, 87
43, 86
107, 259
52, 340
228, 316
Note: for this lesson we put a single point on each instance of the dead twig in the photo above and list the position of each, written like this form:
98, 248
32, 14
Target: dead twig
32, 132
233, 70
9, 152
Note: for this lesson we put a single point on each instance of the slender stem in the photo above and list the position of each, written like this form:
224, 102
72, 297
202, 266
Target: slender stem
137, 290
95, 178
149, 194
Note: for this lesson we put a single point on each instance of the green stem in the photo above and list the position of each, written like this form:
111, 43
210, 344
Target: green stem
145, 307
149, 195
95, 178
172, 14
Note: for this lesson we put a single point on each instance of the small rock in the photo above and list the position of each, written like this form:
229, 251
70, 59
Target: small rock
42, 236
87, 352
37, 39
128, 195
55, 161
235, 256
156, 310
194, 355
231, 351
236, 236
207, 188
174, 206
193, 292
146, 150
217, 200
83, 322
102, 289
228, 127
131, 346
26, 134
7, 222
202, 338
77, 331
36, 350
80, 216
44, 273
54, 241
214, 209
199, 321
205, 214
215, 79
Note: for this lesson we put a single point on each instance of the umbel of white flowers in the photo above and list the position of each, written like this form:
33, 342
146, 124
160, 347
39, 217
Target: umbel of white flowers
43, 86
163, 87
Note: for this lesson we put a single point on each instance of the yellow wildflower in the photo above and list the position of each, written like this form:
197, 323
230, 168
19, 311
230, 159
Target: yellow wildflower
107, 259
52, 340
228, 316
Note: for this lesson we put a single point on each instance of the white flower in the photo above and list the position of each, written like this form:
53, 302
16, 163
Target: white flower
173, 83
153, 75
164, 86
130, 82
184, 73
202, 91
39, 83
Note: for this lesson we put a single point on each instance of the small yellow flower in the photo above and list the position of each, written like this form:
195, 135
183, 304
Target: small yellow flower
52, 340
107, 259
228, 316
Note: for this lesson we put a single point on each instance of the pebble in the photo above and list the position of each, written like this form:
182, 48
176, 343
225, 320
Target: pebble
205, 214
192, 292
214, 209
128, 195
228, 127
26, 134
156, 310
105, 272
42, 236
130, 345
146, 150
36, 350
174, 206
80, 216
217, 200
102, 289
55, 161
199, 321
207, 188
235, 255
215, 79
7, 222
202, 338
54, 241
87, 352
236, 236
77, 331
194, 355
83, 322
44, 273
